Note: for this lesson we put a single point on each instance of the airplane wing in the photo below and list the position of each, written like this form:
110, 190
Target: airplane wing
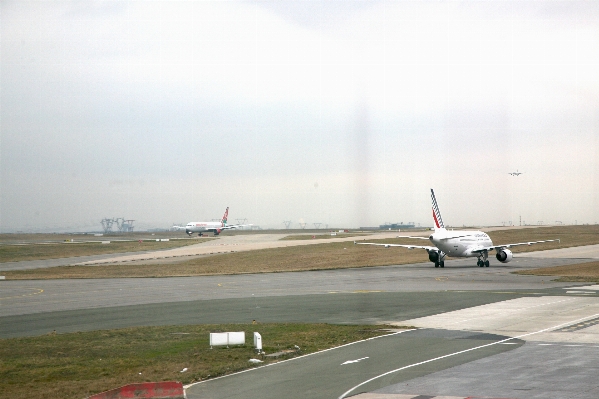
428, 248
448, 237
419, 238
496, 247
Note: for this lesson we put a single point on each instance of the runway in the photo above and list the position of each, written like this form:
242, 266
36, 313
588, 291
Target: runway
457, 309
222, 245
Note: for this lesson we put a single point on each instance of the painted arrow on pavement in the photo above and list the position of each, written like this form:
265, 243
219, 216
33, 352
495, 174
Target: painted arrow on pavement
354, 361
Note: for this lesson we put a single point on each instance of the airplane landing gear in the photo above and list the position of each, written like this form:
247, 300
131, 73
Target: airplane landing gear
483, 260
437, 257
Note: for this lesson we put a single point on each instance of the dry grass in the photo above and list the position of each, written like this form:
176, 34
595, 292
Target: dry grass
80, 364
322, 236
570, 236
311, 257
38, 251
300, 258
582, 272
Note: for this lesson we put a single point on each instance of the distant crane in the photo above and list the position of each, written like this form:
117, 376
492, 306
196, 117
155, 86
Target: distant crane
107, 225
123, 225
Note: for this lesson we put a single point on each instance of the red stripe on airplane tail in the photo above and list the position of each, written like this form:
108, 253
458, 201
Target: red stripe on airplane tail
435, 218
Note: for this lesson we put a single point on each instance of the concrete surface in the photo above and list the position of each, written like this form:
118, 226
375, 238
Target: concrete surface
532, 371
521, 316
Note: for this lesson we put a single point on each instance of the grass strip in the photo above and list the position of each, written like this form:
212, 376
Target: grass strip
17, 253
77, 365
582, 272
570, 236
332, 255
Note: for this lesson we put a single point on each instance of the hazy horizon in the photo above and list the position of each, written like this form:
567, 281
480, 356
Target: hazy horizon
342, 113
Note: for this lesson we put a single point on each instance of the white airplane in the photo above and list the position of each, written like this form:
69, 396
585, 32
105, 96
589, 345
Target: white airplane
215, 227
459, 244
516, 173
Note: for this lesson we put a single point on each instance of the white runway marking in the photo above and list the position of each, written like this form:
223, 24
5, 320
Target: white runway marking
465, 351
354, 361
586, 287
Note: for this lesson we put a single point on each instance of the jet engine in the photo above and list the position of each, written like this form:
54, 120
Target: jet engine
436, 256
217, 232
504, 255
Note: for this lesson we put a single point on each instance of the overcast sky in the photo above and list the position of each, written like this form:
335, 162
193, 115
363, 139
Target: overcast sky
344, 113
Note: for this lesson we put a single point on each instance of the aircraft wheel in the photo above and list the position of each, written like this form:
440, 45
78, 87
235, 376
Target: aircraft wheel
479, 263
486, 263
442, 264
436, 264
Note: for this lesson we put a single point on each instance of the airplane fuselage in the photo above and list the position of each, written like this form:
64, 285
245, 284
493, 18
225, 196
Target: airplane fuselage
201, 227
460, 244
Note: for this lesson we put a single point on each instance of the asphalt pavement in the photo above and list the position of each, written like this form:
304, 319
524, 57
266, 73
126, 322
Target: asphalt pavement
472, 325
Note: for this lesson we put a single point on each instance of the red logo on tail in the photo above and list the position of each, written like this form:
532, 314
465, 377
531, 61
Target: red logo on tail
225, 216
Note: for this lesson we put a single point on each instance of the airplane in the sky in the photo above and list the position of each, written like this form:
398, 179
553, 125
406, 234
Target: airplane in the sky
215, 227
516, 173
458, 244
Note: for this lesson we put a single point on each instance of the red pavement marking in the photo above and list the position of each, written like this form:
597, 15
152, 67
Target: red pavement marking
147, 390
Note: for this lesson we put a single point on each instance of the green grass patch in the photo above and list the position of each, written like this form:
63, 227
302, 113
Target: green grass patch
77, 365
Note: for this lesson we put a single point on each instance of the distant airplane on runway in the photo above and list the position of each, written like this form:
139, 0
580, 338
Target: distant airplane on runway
215, 227
458, 244
516, 173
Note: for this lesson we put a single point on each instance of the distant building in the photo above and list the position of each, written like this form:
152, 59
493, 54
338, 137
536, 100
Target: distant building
395, 226
391, 226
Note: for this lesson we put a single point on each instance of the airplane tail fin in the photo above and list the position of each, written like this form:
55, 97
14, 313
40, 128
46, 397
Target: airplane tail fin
223, 222
437, 214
